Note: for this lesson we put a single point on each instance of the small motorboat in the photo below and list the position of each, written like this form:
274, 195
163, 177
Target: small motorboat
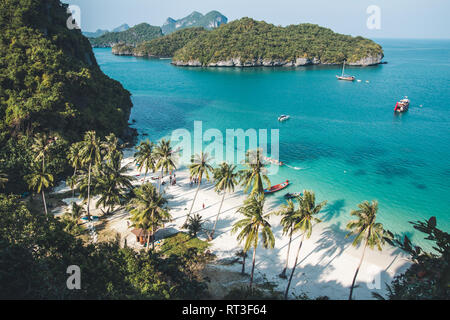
402, 105
345, 77
283, 118
293, 195
277, 187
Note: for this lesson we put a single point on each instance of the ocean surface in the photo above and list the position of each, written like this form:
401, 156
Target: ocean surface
343, 140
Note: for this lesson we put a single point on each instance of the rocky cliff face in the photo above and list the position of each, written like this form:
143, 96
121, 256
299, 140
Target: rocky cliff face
237, 62
210, 20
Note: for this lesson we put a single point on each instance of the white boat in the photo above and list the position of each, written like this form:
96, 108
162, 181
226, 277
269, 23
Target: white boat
283, 117
345, 77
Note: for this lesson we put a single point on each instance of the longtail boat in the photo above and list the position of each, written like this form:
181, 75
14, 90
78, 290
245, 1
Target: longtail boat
277, 187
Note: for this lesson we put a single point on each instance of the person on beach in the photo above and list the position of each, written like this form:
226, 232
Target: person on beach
203, 206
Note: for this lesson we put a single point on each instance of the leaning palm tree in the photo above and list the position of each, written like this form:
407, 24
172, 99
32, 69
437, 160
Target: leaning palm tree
165, 158
306, 217
254, 223
288, 221
110, 146
74, 157
149, 210
90, 155
38, 181
254, 175
199, 167
144, 157
366, 228
226, 179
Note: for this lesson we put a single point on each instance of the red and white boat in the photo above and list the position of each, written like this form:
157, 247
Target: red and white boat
402, 105
277, 187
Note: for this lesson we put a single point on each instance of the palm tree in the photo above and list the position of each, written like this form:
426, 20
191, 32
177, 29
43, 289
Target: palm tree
90, 154
144, 157
110, 146
149, 210
198, 168
112, 182
194, 225
74, 157
288, 221
226, 179
306, 217
40, 146
366, 228
164, 157
76, 211
254, 223
39, 180
255, 173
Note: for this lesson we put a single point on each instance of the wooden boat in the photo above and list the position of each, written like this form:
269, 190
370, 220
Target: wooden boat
402, 105
277, 187
345, 77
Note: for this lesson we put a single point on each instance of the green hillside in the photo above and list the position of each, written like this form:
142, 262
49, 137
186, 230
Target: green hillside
251, 43
50, 82
210, 20
137, 34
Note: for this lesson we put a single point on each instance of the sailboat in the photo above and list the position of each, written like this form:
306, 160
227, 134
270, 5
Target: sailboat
345, 77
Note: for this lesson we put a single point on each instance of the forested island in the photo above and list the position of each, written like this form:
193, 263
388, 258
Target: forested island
247, 43
132, 36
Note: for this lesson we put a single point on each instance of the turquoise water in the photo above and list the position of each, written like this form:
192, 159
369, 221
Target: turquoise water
343, 135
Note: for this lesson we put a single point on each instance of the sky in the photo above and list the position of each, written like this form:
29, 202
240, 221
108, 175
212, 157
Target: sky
397, 18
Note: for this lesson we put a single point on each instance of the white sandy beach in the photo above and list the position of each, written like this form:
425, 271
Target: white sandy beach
327, 260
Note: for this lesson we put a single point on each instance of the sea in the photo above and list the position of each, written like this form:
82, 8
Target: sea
343, 140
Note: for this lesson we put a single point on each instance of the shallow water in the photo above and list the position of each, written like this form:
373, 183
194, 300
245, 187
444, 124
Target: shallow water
343, 136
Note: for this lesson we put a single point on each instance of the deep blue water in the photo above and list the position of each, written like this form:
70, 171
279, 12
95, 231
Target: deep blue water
343, 135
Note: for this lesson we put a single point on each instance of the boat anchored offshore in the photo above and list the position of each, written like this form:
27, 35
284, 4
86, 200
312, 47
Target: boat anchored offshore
402, 105
277, 187
283, 118
345, 77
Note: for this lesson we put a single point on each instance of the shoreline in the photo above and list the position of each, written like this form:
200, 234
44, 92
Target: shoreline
327, 261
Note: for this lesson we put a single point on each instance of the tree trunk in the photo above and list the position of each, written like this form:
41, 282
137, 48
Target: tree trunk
293, 269
243, 262
45, 204
193, 201
356, 273
148, 242
160, 180
153, 232
211, 236
283, 273
73, 187
253, 267
89, 191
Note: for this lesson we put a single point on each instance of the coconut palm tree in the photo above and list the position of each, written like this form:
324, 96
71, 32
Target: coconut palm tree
90, 155
74, 157
144, 157
112, 183
194, 225
253, 176
226, 179
76, 211
306, 218
110, 146
165, 158
365, 228
253, 225
199, 167
38, 181
288, 221
149, 210
40, 146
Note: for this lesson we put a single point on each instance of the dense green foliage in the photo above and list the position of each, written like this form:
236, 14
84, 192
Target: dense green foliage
137, 34
35, 254
210, 20
429, 276
252, 40
50, 82
167, 45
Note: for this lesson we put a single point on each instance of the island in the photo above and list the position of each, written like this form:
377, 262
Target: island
132, 36
250, 43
